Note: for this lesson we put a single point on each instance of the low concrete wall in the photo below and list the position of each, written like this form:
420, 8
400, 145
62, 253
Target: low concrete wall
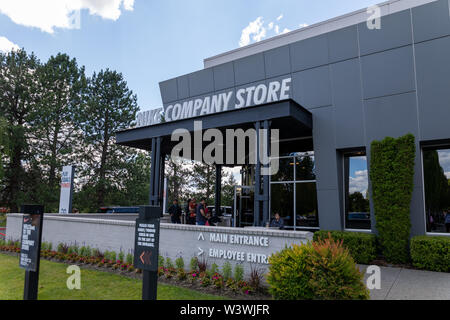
250, 247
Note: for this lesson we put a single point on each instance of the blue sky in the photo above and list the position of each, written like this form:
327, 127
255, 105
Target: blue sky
151, 41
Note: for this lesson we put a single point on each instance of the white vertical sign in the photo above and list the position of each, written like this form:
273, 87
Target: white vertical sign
65, 200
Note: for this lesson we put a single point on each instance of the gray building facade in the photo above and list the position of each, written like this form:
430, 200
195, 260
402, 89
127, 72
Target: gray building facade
359, 84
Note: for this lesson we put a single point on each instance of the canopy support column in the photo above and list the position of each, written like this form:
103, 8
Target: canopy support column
155, 174
218, 189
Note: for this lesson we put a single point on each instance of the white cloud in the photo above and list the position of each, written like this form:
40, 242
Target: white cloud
7, 46
303, 25
277, 29
255, 30
447, 174
50, 14
359, 183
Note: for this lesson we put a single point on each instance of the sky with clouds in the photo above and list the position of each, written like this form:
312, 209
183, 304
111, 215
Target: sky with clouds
152, 41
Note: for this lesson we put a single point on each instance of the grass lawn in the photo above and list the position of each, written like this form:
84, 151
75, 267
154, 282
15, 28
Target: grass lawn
95, 285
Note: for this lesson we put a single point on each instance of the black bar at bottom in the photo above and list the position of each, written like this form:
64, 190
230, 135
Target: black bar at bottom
30, 291
149, 285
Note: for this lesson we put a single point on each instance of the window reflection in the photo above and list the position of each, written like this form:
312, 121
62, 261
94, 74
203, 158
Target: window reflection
282, 202
293, 192
436, 166
305, 168
285, 170
357, 209
306, 204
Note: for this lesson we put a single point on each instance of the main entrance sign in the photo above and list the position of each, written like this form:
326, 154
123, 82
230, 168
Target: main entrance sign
245, 97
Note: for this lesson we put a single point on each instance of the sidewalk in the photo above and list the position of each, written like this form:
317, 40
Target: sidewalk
407, 284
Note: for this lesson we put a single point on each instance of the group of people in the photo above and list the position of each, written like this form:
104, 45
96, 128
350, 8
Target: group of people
199, 214
196, 214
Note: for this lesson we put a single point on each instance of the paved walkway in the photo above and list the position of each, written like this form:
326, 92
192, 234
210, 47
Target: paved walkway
407, 284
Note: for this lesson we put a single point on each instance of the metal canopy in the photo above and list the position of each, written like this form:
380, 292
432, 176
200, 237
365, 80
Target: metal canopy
293, 121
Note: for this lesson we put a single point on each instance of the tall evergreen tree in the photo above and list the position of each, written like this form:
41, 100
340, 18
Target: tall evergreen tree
177, 173
110, 106
56, 123
19, 98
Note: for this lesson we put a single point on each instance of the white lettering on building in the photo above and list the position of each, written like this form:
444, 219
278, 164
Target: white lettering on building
245, 97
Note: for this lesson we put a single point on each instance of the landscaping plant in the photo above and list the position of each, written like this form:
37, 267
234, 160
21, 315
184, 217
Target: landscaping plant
392, 177
317, 270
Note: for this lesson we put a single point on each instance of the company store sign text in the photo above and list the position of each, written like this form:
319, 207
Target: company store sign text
245, 97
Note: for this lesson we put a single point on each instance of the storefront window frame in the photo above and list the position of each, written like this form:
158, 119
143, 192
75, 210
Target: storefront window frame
424, 147
344, 154
294, 182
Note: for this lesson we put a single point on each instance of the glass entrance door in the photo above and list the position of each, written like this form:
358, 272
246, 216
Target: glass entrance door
243, 206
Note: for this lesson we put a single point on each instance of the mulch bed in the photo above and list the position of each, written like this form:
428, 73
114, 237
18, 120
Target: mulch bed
224, 292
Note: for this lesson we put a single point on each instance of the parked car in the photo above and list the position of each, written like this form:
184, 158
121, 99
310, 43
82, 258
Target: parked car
115, 210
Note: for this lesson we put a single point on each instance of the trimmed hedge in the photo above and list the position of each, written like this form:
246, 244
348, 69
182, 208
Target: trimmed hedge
431, 253
362, 246
392, 174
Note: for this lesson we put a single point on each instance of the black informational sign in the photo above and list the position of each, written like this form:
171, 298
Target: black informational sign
146, 245
31, 239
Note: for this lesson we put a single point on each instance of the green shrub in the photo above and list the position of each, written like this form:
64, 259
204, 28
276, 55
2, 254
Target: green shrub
121, 256
193, 264
362, 246
227, 271
161, 261
179, 263
113, 256
392, 177
238, 272
130, 259
319, 270
431, 253
169, 263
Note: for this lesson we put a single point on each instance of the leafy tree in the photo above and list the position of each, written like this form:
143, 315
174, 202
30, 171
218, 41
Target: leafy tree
358, 203
228, 190
203, 180
3, 147
177, 173
110, 106
56, 122
19, 99
135, 189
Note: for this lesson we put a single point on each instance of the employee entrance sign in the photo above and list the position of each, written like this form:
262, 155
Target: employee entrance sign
146, 247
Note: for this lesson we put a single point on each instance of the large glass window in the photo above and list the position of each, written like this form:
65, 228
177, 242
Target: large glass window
293, 192
357, 209
282, 202
436, 167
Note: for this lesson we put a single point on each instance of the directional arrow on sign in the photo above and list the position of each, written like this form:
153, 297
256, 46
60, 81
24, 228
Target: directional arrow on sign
200, 251
200, 236
145, 257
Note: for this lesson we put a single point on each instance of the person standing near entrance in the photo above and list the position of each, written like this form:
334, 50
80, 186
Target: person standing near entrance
191, 212
277, 222
175, 212
202, 214
447, 220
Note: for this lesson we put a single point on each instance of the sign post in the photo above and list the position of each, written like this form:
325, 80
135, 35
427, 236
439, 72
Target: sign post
146, 249
30, 250
65, 200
